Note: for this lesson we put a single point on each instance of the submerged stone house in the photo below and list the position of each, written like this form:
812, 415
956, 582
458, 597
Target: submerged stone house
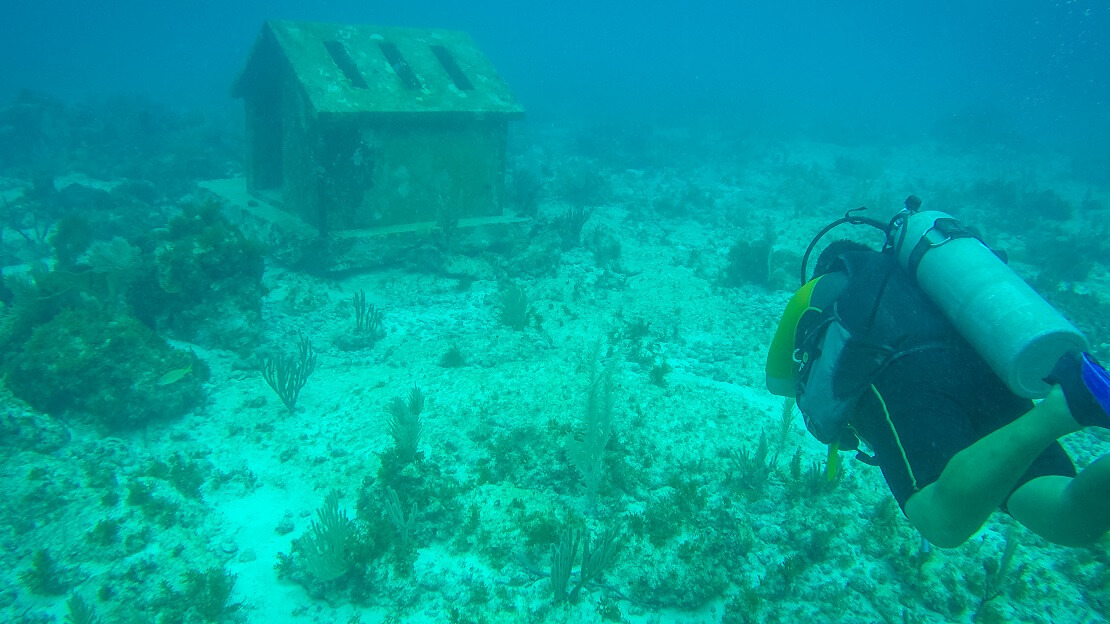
354, 127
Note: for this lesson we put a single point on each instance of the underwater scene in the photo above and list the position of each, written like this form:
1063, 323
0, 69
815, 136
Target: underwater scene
465, 314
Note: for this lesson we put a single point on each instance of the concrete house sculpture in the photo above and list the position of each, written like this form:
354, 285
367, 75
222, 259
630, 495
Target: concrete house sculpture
358, 128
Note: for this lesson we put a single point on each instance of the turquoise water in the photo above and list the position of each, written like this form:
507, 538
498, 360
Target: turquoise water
396, 353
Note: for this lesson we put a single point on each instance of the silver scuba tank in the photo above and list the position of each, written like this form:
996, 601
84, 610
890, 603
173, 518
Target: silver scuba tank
1012, 328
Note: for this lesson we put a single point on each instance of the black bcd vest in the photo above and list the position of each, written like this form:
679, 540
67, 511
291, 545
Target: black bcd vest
878, 316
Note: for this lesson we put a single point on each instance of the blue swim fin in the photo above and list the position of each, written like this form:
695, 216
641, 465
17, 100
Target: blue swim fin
1086, 386
1097, 380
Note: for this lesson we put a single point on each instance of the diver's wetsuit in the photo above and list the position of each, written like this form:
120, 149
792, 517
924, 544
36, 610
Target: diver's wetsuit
916, 410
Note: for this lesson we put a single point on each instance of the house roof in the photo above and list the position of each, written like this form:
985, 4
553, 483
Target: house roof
371, 70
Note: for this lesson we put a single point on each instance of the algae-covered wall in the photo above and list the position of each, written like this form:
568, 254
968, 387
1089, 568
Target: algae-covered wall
421, 170
349, 175
300, 173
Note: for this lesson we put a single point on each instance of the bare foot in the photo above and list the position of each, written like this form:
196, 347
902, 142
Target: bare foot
1054, 409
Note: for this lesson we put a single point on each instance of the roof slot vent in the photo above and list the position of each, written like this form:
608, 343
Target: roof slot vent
345, 63
454, 72
400, 66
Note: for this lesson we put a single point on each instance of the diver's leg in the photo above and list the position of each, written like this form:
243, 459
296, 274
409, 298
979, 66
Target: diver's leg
977, 479
1066, 511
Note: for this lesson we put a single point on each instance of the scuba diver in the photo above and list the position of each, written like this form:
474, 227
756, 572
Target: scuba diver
930, 352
